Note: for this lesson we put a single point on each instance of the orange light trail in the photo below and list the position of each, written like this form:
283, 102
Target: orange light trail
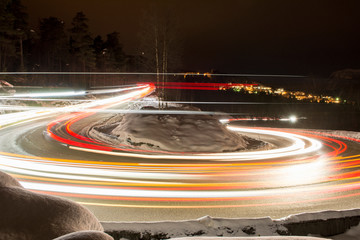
312, 167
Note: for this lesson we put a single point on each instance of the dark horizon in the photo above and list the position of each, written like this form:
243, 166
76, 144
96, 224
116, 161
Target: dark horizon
250, 36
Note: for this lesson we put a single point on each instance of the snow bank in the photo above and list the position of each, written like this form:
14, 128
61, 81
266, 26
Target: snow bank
28, 215
351, 135
323, 215
325, 224
205, 226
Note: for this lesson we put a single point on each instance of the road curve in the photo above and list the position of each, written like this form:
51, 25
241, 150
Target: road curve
305, 171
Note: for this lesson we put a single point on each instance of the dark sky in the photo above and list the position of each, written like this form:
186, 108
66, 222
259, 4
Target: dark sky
234, 36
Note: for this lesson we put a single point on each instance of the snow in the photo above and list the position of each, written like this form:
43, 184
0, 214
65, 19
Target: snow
177, 133
208, 227
323, 215
168, 132
205, 226
351, 135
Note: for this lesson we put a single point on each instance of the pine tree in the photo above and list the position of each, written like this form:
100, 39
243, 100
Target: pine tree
81, 44
7, 35
21, 30
99, 52
54, 45
115, 56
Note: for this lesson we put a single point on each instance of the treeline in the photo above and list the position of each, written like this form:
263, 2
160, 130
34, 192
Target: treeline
56, 47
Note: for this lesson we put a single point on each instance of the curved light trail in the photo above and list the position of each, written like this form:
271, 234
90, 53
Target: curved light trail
302, 167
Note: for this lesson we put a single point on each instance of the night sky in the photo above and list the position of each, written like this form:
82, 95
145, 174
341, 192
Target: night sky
243, 36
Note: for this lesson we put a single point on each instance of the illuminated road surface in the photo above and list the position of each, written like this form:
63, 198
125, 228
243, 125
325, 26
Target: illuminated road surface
304, 171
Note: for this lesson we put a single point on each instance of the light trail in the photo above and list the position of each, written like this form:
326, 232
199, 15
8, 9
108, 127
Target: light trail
297, 147
144, 191
44, 95
31, 115
308, 167
121, 111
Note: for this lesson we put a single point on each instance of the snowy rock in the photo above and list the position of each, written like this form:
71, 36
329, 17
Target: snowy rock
85, 235
28, 215
170, 132
8, 181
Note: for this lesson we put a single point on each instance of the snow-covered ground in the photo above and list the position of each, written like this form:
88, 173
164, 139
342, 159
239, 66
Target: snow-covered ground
266, 228
351, 135
172, 132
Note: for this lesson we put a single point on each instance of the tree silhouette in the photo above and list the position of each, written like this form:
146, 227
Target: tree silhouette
346, 84
81, 44
21, 29
54, 44
114, 54
13, 29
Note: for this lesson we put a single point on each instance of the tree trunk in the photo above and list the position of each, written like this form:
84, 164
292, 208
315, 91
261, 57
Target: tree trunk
22, 67
157, 61
165, 65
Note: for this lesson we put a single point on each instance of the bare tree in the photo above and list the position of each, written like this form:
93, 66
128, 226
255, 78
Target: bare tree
160, 43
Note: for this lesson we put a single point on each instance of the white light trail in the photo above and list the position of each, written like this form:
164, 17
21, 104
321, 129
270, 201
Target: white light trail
12, 118
122, 111
43, 169
157, 193
50, 94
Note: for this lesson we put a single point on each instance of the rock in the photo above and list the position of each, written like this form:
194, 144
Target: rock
85, 235
8, 181
28, 215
